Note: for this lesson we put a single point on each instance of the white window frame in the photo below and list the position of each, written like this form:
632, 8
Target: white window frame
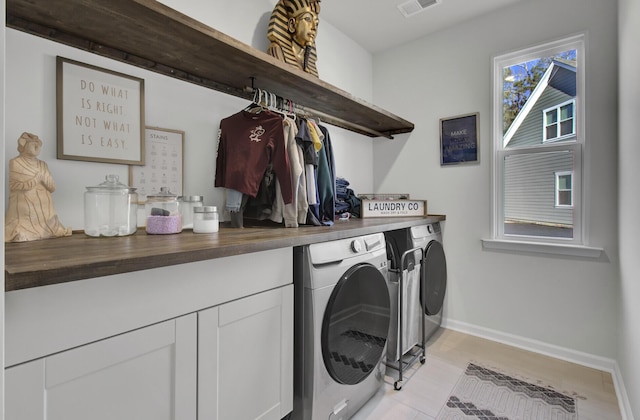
578, 245
558, 190
557, 109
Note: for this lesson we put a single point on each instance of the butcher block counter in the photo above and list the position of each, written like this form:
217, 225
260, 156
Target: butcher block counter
60, 260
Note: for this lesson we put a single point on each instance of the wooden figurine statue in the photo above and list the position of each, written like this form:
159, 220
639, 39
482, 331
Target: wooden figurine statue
30, 214
292, 31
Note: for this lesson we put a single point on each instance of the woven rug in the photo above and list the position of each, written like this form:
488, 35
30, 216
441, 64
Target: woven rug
484, 394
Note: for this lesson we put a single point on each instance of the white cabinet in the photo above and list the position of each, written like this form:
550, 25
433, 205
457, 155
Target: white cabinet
149, 374
211, 340
232, 361
245, 358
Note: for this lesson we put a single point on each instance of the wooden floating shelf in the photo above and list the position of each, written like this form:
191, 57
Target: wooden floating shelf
150, 35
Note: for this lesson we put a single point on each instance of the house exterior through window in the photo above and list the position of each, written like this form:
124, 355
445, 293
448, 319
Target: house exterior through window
564, 189
539, 144
559, 122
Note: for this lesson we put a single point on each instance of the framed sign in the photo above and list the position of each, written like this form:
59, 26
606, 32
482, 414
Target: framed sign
459, 139
164, 163
393, 208
100, 114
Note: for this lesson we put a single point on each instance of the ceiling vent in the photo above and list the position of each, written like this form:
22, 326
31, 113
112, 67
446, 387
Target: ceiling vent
413, 7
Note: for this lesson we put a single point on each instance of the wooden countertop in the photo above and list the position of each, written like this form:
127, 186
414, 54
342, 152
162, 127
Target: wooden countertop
53, 261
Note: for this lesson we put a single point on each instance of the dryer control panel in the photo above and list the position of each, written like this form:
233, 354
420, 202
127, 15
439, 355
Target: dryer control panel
334, 251
423, 234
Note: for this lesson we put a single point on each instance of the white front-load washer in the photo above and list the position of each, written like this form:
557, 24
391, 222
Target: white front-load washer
342, 310
434, 274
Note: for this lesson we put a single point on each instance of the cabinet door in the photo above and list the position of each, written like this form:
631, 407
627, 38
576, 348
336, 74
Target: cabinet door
145, 374
245, 358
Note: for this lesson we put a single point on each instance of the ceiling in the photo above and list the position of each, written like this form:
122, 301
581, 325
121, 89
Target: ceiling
377, 25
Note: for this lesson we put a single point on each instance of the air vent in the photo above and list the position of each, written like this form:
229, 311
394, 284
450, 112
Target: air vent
414, 7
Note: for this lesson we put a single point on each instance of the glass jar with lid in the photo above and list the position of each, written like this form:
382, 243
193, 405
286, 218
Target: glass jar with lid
110, 209
205, 219
163, 213
187, 204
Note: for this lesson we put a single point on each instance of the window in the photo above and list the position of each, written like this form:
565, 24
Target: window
564, 189
559, 122
538, 129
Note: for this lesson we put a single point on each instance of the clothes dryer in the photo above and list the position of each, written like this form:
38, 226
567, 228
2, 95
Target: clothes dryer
434, 274
342, 309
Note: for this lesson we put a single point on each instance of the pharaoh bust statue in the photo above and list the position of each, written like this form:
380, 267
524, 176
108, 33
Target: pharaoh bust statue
292, 31
30, 214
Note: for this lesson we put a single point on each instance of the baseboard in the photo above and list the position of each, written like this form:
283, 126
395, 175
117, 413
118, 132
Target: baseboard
562, 353
621, 392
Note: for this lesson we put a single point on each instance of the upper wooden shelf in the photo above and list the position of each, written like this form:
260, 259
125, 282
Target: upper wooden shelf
150, 35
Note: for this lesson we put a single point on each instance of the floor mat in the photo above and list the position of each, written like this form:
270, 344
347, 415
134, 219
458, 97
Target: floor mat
485, 394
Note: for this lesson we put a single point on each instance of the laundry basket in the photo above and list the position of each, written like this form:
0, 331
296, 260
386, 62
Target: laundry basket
404, 291
406, 342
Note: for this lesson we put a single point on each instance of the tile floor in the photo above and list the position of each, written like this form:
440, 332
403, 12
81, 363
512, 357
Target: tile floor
426, 387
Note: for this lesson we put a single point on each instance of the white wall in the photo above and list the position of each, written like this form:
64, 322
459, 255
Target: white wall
629, 200
170, 103
560, 305
2, 178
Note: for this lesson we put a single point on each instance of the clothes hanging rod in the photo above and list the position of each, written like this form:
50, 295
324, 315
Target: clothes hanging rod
344, 123
310, 112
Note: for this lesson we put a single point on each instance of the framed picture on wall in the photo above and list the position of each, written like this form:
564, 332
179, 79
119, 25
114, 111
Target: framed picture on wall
459, 139
164, 163
100, 114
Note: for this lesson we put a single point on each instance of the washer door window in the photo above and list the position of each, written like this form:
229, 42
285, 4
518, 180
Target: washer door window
356, 324
434, 277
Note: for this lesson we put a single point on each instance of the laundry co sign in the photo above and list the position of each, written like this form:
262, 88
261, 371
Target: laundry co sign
393, 208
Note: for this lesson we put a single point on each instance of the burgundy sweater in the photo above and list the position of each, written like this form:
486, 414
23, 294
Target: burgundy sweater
248, 143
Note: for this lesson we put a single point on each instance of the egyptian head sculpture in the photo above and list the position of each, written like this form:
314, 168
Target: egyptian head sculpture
292, 31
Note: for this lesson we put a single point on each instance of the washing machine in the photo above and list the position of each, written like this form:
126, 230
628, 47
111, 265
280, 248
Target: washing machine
341, 323
434, 273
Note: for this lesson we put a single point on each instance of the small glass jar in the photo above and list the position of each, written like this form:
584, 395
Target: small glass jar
163, 213
110, 209
187, 204
205, 219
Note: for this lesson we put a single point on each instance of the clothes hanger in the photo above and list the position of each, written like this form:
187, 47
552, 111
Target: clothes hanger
258, 103
291, 108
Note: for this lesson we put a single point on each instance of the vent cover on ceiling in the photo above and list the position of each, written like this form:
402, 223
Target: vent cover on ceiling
412, 7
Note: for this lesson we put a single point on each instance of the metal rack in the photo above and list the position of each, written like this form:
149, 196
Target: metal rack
408, 358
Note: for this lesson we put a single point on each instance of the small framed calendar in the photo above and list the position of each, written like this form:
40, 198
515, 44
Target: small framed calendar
164, 163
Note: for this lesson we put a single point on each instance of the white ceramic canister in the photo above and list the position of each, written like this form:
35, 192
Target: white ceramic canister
205, 219
187, 204
110, 209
